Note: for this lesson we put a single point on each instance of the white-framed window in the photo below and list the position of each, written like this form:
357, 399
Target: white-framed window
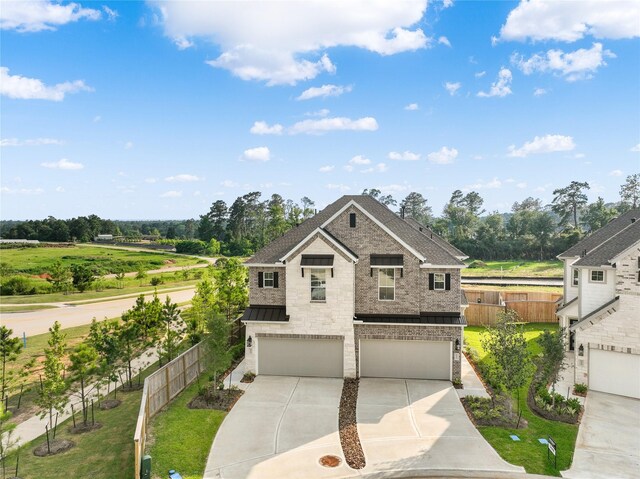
439, 281
576, 276
597, 276
318, 285
268, 279
386, 284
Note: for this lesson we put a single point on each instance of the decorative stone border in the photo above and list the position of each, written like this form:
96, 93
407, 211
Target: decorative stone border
348, 425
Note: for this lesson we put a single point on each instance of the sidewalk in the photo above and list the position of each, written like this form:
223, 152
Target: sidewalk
35, 427
471, 382
565, 382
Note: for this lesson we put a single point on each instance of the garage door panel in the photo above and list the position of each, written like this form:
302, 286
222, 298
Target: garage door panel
405, 359
614, 373
300, 357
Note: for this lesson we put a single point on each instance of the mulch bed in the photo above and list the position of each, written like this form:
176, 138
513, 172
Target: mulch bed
81, 428
348, 425
222, 400
57, 446
498, 422
132, 388
109, 404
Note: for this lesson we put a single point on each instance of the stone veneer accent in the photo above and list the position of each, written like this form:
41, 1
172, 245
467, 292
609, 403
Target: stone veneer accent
411, 333
267, 296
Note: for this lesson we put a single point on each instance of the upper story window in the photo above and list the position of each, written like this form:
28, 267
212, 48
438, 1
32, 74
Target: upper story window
318, 285
268, 279
439, 281
352, 220
597, 276
576, 276
386, 284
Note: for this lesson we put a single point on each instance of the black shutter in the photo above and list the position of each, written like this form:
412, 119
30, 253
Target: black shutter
431, 281
275, 279
447, 281
260, 279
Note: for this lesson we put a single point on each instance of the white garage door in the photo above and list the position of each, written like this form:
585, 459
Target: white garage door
300, 357
405, 359
614, 373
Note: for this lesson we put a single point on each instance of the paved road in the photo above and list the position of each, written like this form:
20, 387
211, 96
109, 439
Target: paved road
69, 315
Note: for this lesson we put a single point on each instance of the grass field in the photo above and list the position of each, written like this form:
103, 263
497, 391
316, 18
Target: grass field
528, 452
23, 309
515, 268
35, 261
523, 288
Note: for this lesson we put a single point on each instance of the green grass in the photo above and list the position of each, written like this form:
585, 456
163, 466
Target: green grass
527, 452
23, 309
106, 453
39, 260
182, 437
515, 268
522, 289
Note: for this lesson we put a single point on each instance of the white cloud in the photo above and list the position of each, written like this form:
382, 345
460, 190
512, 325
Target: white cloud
38, 15
486, 185
332, 124
59, 189
570, 21
182, 178
21, 191
404, 156
348, 168
452, 88
260, 153
151, 180
543, 144
379, 168
229, 184
539, 92
128, 145
501, 87
326, 168
321, 113
521, 185
412, 107
263, 128
63, 164
578, 156
480, 74
324, 91
359, 160
30, 142
171, 194
444, 41
443, 156
615, 173
635, 148
578, 65
337, 186
284, 42
23, 88
447, 3
111, 14
182, 43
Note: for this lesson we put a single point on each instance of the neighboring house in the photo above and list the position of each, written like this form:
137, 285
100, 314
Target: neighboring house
103, 238
601, 306
356, 290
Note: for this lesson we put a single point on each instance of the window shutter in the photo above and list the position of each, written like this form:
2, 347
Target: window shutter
447, 281
431, 281
275, 279
260, 279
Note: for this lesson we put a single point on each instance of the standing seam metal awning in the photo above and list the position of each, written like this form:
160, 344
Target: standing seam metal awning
317, 260
389, 260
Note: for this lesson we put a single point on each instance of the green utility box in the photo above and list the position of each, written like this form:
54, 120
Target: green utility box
145, 467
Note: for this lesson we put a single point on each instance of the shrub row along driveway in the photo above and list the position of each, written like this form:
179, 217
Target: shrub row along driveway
283, 425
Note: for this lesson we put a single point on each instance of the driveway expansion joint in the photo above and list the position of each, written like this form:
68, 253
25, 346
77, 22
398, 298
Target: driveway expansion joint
284, 411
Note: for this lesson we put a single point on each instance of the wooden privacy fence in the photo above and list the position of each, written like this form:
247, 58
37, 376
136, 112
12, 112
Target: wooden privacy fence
160, 388
533, 307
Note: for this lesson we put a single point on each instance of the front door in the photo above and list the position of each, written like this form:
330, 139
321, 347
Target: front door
572, 335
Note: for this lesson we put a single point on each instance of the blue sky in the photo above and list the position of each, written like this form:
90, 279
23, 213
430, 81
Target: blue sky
156, 109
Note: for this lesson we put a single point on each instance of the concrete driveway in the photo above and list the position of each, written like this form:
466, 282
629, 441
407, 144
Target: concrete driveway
608, 443
283, 425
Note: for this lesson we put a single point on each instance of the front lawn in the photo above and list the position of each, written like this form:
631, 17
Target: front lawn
527, 452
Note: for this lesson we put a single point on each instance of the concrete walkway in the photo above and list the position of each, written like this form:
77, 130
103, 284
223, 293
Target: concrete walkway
608, 443
470, 381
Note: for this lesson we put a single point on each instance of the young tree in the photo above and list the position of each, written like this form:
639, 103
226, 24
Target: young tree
7, 441
104, 337
82, 276
52, 391
231, 289
59, 276
10, 348
552, 344
630, 191
203, 305
173, 327
217, 345
506, 344
84, 362
568, 201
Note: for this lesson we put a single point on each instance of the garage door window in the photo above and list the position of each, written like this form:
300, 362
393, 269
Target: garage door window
319, 285
386, 284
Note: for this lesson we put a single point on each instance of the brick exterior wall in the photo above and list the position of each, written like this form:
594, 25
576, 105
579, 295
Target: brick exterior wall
437, 300
267, 296
408, 333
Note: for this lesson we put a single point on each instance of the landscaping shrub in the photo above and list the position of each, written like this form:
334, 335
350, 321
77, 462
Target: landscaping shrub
492, 412
580, 389
23, 285
477, 264
237, 351
156, 280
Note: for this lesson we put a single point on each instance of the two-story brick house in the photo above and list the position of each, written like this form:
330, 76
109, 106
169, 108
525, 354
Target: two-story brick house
601, 306
356, 290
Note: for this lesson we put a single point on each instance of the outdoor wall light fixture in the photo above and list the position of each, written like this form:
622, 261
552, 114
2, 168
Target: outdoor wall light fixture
457, 344
581, 350
249, 342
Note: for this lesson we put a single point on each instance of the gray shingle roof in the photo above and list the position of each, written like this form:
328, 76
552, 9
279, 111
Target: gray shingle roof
604, 254
598, 237
428, 232
433, 252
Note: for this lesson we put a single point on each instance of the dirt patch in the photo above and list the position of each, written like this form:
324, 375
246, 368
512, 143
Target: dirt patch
220, 399
132, 388
82, 428
56, 446
248, 378
109, 404
348, 424
330, 461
